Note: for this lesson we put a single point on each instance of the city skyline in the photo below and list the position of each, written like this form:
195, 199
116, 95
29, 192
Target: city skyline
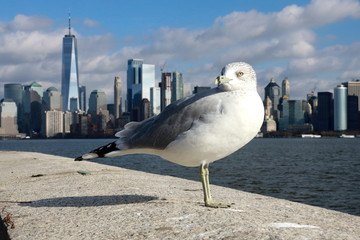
42, 113
315, 46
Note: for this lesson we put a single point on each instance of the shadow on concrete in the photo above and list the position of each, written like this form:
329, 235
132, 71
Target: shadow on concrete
89, 201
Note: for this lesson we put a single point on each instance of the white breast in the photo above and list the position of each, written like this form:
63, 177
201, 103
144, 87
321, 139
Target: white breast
218, 134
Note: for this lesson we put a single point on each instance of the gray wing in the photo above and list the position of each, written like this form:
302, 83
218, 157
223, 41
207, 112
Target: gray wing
178, 117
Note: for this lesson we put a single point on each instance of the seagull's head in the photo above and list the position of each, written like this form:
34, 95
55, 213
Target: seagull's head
236, 76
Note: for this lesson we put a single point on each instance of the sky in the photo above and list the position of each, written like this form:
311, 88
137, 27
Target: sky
315, 44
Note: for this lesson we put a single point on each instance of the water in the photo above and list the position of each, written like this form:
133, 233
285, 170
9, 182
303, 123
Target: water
320, 172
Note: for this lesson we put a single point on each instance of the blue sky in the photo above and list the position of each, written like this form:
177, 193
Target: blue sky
316, 44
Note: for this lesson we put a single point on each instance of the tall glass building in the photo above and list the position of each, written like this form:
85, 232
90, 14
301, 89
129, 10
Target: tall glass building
340, 108
97, 101
293, 114
32, 102
70, 73
98, 109
15, 92
52, 99
140, 78
325, 113
177, 86
133, 78
272, 90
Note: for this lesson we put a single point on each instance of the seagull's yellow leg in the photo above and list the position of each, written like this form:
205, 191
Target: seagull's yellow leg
204, 174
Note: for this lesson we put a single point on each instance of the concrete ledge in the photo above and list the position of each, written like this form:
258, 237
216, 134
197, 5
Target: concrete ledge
52, 197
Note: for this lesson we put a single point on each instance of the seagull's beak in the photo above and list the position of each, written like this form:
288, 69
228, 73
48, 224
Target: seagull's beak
222, 79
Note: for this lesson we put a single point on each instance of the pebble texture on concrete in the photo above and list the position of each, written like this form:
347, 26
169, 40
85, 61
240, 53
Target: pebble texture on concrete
52, 197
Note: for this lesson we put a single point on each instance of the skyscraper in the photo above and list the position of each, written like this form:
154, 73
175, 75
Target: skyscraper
8, 117
293, 115
117, 97
133, 78
15, 92
340, 108
353, 113
272, 90
70, 73
82, 102
177, 86
165, 89
354, 90
140, 78
325, 113
98, 109
52, 123
33, 95
97, 102
285, 88
52, 99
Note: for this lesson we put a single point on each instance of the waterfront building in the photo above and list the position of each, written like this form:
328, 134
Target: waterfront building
307, 111
268, 108
83, 99
32, 103
52, 123
177, 86
165, 87
140, 78
325, 114
15, 91
285, 87
98, 108
133, 77
102, 121
269, 125
340, 108
353, 116
145, 109
8, 117
97, 101
353, 88
292, 115
83, 123
155, 96
117, 97
111, 108
70, 72
52, 99
272, 90
68, 122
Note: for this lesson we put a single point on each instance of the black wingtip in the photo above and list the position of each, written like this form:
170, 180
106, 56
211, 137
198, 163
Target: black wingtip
78, 159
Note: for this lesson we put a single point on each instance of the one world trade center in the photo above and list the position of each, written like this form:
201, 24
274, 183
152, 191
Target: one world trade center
70, 73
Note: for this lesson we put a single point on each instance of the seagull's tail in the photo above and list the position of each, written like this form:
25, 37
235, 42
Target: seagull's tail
99, 152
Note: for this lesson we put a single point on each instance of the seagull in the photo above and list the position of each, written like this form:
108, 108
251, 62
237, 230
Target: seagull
197, 130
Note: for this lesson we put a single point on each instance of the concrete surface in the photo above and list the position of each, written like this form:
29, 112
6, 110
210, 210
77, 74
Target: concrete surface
51, 197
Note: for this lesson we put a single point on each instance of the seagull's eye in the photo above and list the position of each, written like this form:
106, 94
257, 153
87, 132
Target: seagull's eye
239, 74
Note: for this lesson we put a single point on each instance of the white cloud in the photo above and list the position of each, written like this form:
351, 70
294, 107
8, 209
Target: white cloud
28, 23
90, 23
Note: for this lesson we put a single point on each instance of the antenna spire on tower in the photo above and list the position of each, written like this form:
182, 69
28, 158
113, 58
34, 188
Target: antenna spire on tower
69, 22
